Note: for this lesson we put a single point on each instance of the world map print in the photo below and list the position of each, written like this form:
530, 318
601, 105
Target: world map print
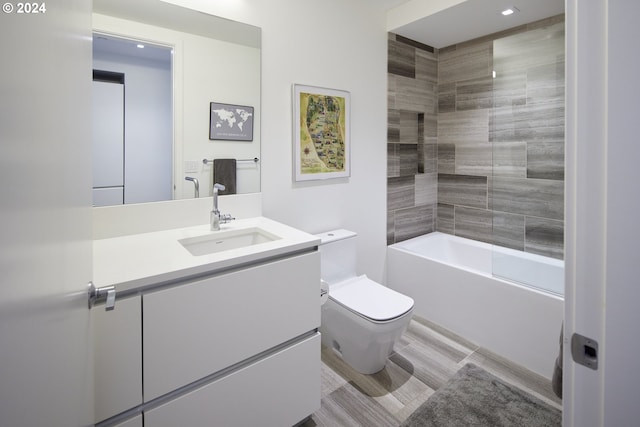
231, 122
322, 133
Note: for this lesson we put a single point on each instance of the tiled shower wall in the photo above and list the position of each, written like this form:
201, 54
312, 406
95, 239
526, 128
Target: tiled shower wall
411, 139
458, 165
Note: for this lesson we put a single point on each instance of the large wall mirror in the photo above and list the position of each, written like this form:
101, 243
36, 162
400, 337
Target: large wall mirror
176, 103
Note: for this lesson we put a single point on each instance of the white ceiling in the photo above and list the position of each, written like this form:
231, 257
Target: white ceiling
471, 19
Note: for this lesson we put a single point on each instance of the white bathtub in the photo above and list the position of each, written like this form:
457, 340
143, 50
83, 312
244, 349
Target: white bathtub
450, 278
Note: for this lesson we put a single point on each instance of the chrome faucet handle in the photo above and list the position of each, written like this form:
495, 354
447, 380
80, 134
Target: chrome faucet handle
225, 218
195, 183
218, 186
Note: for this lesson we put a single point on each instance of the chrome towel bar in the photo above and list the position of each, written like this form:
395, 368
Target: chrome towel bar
254, 160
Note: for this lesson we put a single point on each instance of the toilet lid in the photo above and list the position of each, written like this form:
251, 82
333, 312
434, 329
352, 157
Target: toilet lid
370, 299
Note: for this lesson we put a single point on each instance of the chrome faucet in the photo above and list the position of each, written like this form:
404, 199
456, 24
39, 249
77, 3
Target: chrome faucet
216, 217
195, 183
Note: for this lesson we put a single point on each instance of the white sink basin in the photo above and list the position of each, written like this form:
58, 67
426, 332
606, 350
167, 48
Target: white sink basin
219, 241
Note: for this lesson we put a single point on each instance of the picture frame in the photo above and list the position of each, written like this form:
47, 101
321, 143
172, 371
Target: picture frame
321, 134
230, 122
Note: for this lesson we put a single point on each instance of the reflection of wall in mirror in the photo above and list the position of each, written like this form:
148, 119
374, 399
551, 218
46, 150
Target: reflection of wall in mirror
148, 124
204, 70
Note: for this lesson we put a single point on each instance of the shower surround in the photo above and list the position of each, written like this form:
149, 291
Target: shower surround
473, 155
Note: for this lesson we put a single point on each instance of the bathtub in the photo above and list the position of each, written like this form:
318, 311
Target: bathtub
451, 281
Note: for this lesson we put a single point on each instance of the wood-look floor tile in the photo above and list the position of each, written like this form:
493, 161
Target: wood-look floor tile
454, 347
425, 358
425, 363
350, 407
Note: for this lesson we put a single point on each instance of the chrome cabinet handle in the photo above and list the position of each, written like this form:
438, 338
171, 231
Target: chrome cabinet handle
106, 294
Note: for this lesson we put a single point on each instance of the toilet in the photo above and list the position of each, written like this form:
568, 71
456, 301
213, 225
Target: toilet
361, 319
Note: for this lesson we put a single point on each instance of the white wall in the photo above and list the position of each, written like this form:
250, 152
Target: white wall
334, 44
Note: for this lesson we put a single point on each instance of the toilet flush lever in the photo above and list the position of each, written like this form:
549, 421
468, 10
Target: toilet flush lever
106, 294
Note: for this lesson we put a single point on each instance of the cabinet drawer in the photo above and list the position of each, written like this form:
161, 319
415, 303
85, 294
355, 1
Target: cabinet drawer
277, 391
118, 357
204, 326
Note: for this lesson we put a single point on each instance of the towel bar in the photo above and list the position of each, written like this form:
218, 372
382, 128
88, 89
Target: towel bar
254, 160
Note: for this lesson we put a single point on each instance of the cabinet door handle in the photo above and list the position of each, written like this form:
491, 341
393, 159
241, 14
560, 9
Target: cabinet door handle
106, 294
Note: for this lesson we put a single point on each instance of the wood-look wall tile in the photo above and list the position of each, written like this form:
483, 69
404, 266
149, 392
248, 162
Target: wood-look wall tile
465, 63
525, 127
426, 66
509, 159
474, 94
400, 192
420, 117
393, 160
445, 218
414, 95
544, 237
447, 158
426, 189
415, 221
529, 49
447, 98
393, 125
428, 158
536, 197
545, 83
502, 123
530, 122
401, 59
508, 230
475, 224
540, 122
545, 159
464, 127
510, 88
430, 126
408, 159
462, 190
409, 127
474, 159
392, 83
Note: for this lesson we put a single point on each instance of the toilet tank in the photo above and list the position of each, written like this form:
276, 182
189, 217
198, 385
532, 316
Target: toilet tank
337, 255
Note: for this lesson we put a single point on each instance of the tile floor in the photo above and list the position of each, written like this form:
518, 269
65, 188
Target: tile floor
424, 359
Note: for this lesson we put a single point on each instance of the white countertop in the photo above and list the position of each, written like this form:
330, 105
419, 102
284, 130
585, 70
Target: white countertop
140, 260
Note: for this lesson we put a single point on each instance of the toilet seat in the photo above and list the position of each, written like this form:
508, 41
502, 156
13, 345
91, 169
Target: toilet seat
370, 299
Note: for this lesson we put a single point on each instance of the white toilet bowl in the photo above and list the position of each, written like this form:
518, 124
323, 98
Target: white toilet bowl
361, 320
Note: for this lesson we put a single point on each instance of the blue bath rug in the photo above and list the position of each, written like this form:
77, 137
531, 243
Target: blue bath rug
474, 397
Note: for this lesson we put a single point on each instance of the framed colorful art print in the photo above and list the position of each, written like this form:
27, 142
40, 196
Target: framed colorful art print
321, 133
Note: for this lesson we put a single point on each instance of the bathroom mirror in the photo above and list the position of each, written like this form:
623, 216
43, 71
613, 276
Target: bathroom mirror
212, 60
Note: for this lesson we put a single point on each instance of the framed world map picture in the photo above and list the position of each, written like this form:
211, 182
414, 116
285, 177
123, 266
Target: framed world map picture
230, 122
321, 133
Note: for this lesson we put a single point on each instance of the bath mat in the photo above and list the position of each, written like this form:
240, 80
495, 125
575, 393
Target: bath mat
474, 397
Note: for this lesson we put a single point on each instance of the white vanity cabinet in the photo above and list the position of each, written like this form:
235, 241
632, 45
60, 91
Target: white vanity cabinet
118, 357
133, 422
227, 338
202, 327
277, 391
